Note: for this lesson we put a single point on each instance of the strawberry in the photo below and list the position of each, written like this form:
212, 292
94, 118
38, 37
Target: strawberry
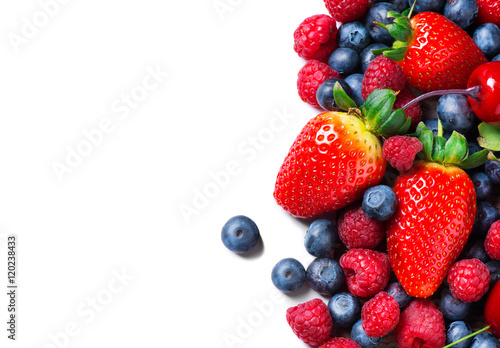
338, 155
435, 214
434, 52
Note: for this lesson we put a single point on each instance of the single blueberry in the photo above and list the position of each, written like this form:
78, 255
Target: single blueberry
473, 146
355, 81
494, 268
427, 5
320, 237
396, 290
345, 309
457, 330
325, 276
360, 337
240, 234
379, 202
492, 169
474, 249
486, 214
485, 340
496, 58
378, 13
455, 113
461, 12
288, 275
432, 125
483, 185
487, 38
324, 93
401, 5
366, 56
452, 308
344, 60
353, 35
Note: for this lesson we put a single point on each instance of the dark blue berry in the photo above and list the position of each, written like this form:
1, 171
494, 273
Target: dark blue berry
432, 125
345, 309
401, 5
325, 276
461, 12
492, 169
496, 58
455, 113
474, 249
473, 146
486, 214
397, 291
288, 275
378, 13
487, 38
353, 35
366, 56
240, 234
483, 185
456, 331
452, 308
494, 268
379, 202
485, 340
324, 93
321, 237
344, 60
355, 81
427, 5
360, 337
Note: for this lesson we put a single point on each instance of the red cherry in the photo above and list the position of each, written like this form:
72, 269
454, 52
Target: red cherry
492, 310
486, 105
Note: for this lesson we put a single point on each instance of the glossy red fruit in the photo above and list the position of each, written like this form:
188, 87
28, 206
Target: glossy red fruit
487, 104
492, 310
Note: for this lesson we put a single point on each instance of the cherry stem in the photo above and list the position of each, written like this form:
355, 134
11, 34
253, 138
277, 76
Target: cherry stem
471, 92
468, 336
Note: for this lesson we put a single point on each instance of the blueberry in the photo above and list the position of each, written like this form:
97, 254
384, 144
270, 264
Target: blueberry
456, 331
288, 275
361, 338
345, 309
485, 340
240, 234
427, 5
366, 56
452, 308
486, 214
379, 202
396, 290
487, 38
461, 12
496, 58
324, 93
355, 81
455, 113
494, 268
401, 5
320, 237
345, 61
353, 35
483, 185
473, 146
474, 249
492, 169
325, 276
378, 13
432, 125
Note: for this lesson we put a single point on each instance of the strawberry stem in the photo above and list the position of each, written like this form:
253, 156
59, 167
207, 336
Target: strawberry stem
471, 92
411, 9
467, 337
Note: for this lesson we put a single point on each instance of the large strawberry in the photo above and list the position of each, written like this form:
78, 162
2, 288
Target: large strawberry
436, 210
338, 155
434, 52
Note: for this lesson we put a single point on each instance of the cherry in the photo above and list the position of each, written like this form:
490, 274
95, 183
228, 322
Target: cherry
492, 310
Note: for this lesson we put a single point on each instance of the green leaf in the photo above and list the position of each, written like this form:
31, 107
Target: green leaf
421, 127
489, 136
438, 153
455, 149
396, 124
427, 140
404, 22
379, 51
397, 54
341, 98
475, 160
377, 107
399, 33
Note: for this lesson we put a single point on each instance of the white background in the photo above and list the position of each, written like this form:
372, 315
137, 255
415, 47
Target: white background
116, 210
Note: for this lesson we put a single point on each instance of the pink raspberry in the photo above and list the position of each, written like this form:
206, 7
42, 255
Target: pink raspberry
469, 280
380, 315
316, 37
313, 74
367, 272
400, 151
382, 73
414, 112
311, 322
356, 230
420, 324
492, 242
340, 342
346, 10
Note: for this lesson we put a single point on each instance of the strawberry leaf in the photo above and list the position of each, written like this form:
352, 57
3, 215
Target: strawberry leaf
456, 149
396, 123
490, 136
427, 140
438, 153
341, 98
475, 160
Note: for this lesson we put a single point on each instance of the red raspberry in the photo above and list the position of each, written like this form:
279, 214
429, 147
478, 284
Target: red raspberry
340, 342
310, 321
356, 230
380, 315
316, 37
366, 271
492, 242
382, 72
400, 151
469, 280
420, 324
414, 112
313, 74
346, 10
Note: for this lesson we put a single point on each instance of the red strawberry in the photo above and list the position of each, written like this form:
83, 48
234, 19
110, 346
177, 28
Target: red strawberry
489, 11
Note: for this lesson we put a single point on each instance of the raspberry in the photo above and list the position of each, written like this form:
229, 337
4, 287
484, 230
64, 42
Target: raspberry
414, 112
310, 321
400, 151
312, 74
346, 10
366, 271
382, 72
469, 280
316, 37
380, 315
356, 230
340, 342
492, 242
421, 324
